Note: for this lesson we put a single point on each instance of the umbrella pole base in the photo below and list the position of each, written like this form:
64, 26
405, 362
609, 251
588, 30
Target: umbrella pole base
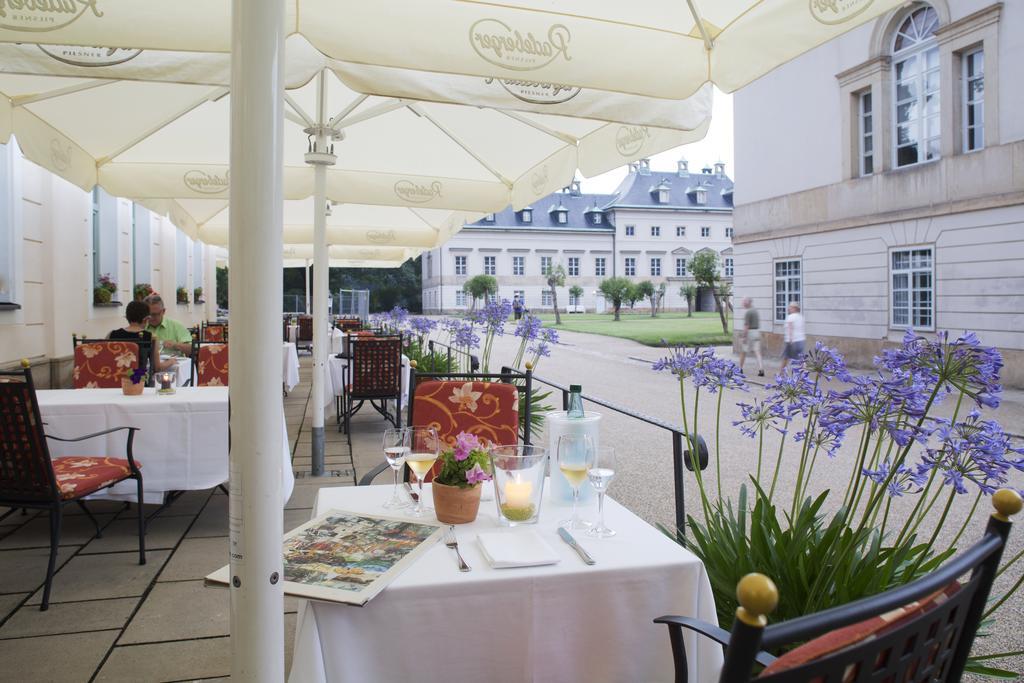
317, 456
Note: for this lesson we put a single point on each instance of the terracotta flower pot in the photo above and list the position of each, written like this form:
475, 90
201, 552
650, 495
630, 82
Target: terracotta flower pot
454, 505
131, 388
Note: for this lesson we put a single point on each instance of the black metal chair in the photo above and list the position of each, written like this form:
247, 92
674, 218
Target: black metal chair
30, 478
929, 643
374, 374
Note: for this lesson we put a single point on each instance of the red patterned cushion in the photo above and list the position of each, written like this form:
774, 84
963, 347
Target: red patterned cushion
102, 364
216, 333
869, 629
212, 365
489, 410
79, 476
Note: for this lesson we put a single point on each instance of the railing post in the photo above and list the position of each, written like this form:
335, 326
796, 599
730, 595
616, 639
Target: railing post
565, 399
678, 475
528, 428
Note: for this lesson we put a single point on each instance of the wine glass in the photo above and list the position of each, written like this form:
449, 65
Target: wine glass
575, 458
396, 448
423, 450
600, 474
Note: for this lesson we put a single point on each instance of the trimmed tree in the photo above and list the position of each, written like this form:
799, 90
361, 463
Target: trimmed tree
478, 287
616, 290
704, 267
576, 292
645, 290
725, 292
688, 292
556, 279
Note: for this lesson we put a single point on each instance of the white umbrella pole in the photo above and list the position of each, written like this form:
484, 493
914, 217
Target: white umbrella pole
256, 286
319, 158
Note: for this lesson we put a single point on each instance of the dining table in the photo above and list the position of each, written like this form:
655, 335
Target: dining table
560, 623
290, 366
182, 442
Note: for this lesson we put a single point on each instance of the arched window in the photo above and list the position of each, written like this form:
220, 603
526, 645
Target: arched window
915, 54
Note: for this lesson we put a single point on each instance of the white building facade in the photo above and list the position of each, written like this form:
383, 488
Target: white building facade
900, 203
56, 240
648, 229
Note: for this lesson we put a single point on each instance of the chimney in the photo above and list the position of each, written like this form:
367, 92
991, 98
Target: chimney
684, 168
644, 167
706, 170
632, 167
720, 169
574, 188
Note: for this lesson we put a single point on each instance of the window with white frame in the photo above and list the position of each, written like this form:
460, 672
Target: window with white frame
680, 267
630, 266
519, 265
630, 230
655, 266
655, 231
916, 81
10, 289
490, 265
574, 266
545, 265
680, 231
662, 196
105, 237
702, 196
728, 266
460, 297
596, 217
527, 215
705, 231
974, 100
728, 233
912, 292
545, 298
866, 133
788, 286
460, 265
575, 300
599, 266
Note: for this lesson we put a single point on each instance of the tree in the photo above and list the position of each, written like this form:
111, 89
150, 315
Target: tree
645, 290
725, 291
556, 279
616, 290
633, 295
222, 288
575, 292
478, 287
704, 267
660, 303
688, 292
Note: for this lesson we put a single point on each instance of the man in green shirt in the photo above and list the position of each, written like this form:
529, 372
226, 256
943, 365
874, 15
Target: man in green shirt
175, 337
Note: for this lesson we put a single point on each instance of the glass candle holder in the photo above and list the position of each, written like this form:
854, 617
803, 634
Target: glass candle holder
518, 482
166, 380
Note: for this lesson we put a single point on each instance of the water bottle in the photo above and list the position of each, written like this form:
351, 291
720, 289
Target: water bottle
575, 410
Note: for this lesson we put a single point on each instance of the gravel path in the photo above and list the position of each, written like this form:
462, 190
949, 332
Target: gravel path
619, 371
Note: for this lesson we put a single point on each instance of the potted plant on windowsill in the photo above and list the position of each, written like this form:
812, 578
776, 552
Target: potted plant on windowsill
142, 290
182, 295
456, 488
104, 291
197, 295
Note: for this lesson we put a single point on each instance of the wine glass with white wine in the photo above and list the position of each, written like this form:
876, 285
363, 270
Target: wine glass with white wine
396, 448
575, 458
600, 475
423, 450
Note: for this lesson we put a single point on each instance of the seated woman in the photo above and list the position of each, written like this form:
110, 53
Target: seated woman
137, 312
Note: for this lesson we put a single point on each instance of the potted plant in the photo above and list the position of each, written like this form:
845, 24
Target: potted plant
142, 290
197, 295
456, 488
105, 289
100, 295
182, 295
132, 382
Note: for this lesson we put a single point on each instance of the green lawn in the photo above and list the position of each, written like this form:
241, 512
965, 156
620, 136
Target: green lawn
675, 328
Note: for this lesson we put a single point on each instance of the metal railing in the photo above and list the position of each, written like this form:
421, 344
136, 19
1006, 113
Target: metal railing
461, 356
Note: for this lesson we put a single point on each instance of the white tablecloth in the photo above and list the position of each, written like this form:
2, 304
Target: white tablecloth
336, 340
335, 380
182, 440
293, 333
565, 622
290, 373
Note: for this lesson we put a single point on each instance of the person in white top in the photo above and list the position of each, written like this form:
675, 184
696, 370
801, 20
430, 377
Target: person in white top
794, 336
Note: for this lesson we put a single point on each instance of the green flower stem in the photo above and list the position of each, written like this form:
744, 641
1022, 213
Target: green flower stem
848, 496
807, 479
778, 464
938, 527
885, 517
1006, 596
718, 441
909, 526
1010, 563
760, 450
863, 482
808, 431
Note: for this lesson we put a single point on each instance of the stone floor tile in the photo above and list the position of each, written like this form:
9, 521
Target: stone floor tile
34, 658
122, 535
74, 530
25, 570
294, 517
189, 503
179, 610
69, 617
195, 558
183, 660
213, 521
96, 507
8, 603
98, 577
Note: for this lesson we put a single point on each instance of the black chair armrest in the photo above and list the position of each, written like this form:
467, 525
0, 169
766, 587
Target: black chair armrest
368, 478
719, 635
128, 448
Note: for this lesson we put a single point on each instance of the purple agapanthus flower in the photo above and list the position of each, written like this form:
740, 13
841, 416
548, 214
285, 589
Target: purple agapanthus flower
465, 336
422, 326
722, 373
904, 480
976, 451
528, 327
492, 316
761, 414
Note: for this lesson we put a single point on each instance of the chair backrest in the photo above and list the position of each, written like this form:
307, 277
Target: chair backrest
922, 631
214, 332
489, 410
102, 363
375, 370
305, 328
212, 365
26, 471
348, 324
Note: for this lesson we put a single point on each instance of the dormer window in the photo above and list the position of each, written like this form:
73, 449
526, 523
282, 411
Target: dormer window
526, 215
661, 192
663, 196
561, 217
559, 214
702, 196
595, 217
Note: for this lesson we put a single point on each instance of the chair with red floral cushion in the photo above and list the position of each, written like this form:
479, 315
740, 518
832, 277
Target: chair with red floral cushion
916, 633
102, 363
349, 324
30, 478
211, 365
214, 332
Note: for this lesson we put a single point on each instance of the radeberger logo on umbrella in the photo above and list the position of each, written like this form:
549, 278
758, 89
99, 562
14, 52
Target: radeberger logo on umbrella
501, 45
60, 155
89, 56
417, 193
630, 139
207, 183
38, 16
837, 11
381, 236
536, 92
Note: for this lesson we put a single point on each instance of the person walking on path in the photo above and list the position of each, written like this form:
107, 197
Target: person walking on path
751, 340
795, 335
517, 307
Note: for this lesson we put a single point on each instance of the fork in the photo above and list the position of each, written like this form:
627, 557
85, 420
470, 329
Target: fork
453, 543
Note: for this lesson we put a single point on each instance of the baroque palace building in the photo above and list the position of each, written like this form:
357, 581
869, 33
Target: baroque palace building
902, 204
648, 229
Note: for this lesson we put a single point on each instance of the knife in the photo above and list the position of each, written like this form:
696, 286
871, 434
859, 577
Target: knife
567, 537
412, 494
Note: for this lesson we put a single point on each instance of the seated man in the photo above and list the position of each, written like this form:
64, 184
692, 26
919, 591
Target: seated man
175, 338
137, 314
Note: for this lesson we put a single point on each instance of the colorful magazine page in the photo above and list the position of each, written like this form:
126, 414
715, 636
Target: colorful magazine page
348, 557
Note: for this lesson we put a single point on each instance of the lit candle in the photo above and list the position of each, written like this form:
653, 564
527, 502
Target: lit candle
518, 494
165, 381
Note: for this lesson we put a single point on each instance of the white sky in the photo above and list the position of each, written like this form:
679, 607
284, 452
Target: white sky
716, 146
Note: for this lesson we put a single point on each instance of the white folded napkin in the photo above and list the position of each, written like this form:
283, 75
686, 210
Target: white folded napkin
518, 548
